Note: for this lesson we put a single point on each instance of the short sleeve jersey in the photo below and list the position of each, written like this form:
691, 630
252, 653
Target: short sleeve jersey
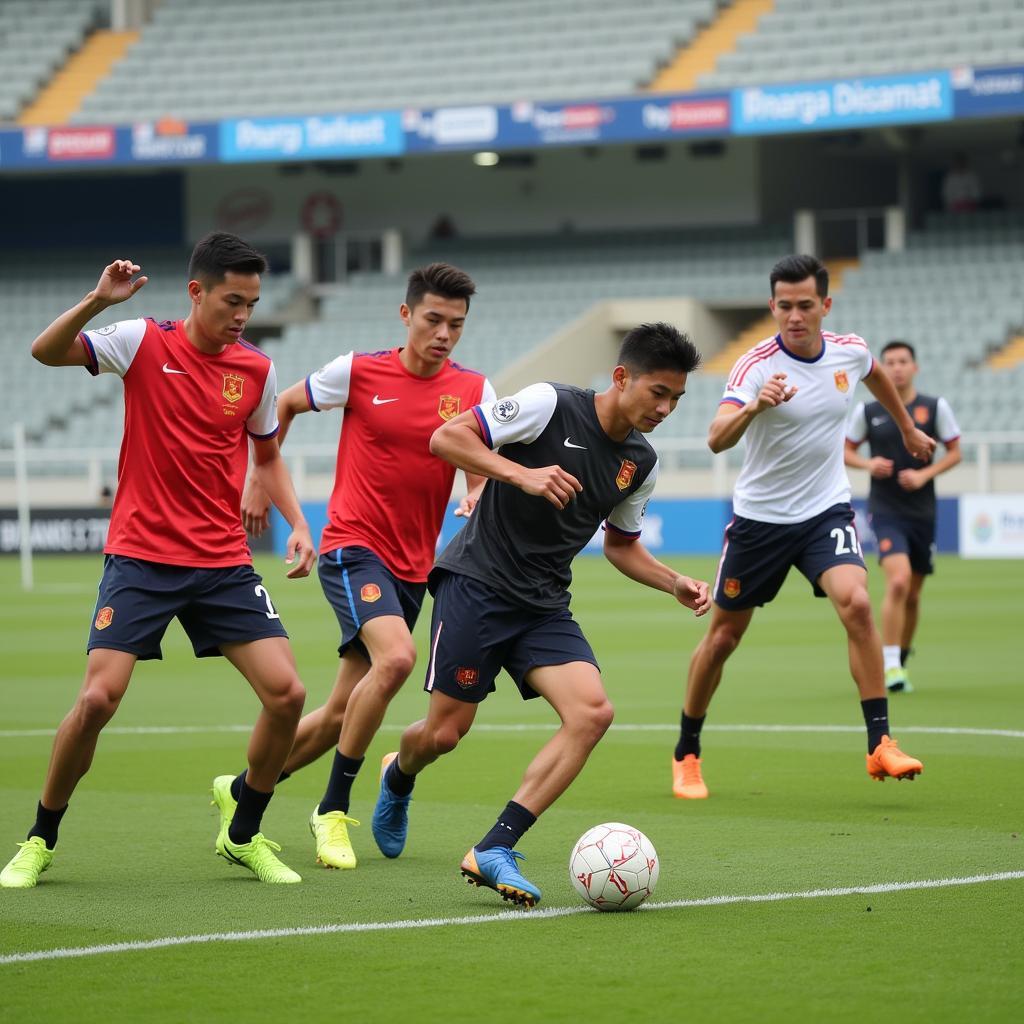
872, 423
793, 465
390, 493
184, 454
522, 545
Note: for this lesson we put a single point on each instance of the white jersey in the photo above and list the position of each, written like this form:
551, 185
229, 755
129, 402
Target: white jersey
793, 467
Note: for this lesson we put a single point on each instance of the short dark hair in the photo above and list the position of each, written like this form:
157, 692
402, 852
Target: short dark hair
649, 348
439, 279
794, 269
896, 343
220, 252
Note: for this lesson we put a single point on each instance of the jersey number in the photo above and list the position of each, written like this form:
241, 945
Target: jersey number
261, 591
840, 538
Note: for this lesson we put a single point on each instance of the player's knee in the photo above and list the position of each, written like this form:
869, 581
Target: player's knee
723, 641
898, 585
856, 611
96, 706
599, 718
287, 702
445, 738
391, 670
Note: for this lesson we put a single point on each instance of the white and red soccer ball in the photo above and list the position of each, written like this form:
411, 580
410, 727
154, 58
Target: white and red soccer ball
614, 866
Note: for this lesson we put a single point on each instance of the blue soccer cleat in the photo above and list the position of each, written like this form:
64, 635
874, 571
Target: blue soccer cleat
497, 869
390, 824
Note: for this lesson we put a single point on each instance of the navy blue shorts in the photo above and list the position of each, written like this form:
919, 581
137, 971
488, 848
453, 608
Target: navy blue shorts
475, 632
138, 599
359, 587
914, 538
757, 556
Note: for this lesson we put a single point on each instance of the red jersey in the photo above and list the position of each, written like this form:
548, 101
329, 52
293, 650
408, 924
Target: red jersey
390, 493
184, 453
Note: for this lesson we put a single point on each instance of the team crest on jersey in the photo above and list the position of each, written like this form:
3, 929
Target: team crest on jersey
104, 617
731, 587
842, 381
233, 387
467, 677
625, 475
506, 410
885, 544
920, 415
370, 592
448, 407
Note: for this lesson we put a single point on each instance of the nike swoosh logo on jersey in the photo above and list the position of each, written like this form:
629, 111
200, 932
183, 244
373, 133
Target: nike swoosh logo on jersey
877, 421
569, 444
167, 369
377, 400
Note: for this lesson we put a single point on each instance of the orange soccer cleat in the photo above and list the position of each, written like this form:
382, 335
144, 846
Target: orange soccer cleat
889, 762
687, 783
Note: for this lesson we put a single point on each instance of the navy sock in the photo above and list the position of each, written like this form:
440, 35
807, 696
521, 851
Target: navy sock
689, 736
397, 781
904, 654
876, 718
509, 828
236, 783
339, 785
248, 815
47, 823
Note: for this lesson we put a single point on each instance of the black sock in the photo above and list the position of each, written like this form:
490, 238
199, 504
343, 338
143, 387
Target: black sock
47, 823
236, 783
397, 781
904, 654
339, 785
248, 815
876, 718
689, 736
509, 828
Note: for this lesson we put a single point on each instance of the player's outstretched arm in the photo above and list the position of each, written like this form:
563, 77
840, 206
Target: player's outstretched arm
58, 345
632, 559
272, 474
918, 443
255, 500
731, 421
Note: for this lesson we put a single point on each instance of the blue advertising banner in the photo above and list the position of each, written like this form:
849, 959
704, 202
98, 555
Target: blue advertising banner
847, 103
311, 138
988, 92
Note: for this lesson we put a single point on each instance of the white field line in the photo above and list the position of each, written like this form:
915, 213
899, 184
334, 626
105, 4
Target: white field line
505, 916
176, 730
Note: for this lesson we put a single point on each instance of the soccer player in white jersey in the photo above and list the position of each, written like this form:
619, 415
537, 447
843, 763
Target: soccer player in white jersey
789, 397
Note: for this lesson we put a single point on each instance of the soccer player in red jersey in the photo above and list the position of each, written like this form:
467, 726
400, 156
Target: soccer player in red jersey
196, 394
383, 520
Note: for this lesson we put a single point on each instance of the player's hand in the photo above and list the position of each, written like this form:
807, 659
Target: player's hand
911, 479
466, 506
919, 444
116, 285
300, 546
255, 508
550, 482
693, 594
774, 393
880, 468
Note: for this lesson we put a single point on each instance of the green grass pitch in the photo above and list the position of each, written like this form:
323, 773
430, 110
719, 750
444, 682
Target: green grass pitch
791, 811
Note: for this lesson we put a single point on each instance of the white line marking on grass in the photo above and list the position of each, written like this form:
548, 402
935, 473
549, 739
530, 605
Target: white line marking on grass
503, 916
174, 730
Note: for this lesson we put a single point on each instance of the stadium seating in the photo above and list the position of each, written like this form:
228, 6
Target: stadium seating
222, 58
804, 40
35, 39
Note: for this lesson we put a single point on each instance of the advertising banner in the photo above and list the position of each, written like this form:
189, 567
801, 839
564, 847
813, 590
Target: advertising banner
334, 136
992, 525
988, 92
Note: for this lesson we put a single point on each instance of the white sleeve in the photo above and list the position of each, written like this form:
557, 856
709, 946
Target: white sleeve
869, 362
489, 395
946, 425
520, 417
628, 516
857, 425
262, 424
112, 348
744, 383
328, 387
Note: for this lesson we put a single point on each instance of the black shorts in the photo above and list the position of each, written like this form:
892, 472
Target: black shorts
475, 632
756, 556
359, 587
912, 537
138, 599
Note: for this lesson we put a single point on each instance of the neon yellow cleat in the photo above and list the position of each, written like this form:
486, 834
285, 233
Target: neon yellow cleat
897, 681
333, 846
258, 856
27, 864
224, 802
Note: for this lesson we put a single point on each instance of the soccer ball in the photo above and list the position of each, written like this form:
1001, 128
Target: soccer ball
614, 866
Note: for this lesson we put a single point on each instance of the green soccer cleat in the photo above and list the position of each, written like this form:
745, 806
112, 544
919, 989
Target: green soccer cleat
897, 681
258, 856
224, 802
27, 864
333, 846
